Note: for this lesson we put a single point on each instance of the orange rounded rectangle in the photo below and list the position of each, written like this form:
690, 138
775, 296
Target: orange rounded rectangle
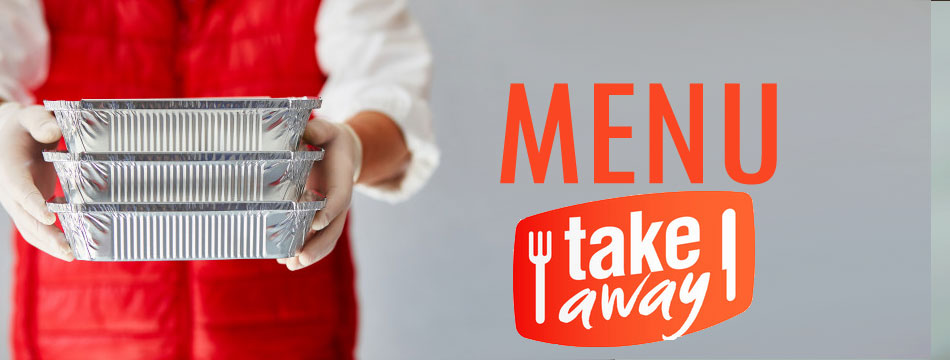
634, 269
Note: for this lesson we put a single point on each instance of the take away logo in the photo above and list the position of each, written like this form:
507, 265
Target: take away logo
635, 269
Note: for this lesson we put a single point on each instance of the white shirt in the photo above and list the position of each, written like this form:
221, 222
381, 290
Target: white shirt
374, 54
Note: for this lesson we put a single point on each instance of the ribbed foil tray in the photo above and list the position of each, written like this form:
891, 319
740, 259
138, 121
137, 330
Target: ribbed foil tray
182, 125
182, 177
182, 231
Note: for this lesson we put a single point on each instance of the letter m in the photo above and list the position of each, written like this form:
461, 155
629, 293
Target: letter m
559, 118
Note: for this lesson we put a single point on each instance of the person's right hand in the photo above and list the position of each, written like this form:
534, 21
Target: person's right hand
27, 180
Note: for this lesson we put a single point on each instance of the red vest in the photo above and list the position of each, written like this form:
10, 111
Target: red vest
205, 309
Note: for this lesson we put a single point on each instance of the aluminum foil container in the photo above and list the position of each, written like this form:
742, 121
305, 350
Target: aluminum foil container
182, 177
185, 231
182, 125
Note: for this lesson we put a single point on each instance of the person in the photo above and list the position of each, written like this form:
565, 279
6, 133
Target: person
367, 59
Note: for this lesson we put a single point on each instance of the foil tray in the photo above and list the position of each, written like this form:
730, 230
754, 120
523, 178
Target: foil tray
182, 125
185, 231
182, 177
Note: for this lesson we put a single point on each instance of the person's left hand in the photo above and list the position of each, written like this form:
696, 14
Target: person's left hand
335, 176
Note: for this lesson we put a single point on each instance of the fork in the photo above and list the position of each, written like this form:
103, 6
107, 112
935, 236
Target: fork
539, 260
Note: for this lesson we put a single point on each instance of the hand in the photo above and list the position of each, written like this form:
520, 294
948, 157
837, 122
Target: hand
336, 174
26, 179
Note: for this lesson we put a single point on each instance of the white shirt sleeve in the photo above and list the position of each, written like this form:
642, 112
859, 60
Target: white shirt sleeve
377, 58
24, 49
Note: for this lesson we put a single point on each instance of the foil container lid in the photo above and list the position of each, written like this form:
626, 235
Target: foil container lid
184, 104
182, 125
61, 156
59, 205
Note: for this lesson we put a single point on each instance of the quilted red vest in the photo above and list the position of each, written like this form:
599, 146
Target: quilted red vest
248, 309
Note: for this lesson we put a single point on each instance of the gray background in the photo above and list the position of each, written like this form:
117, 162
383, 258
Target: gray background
940, 200
843, 232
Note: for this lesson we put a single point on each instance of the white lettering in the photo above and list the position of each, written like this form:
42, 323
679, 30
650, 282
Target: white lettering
574, 235
695, 295
614, 249
673, 240
571, 308
641, 246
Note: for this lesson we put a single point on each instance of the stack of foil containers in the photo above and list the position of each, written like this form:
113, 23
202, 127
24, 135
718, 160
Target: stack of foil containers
184, 179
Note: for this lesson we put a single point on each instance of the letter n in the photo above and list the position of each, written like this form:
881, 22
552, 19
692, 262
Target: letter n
692, 154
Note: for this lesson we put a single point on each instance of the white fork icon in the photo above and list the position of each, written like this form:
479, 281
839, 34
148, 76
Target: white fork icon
539, 259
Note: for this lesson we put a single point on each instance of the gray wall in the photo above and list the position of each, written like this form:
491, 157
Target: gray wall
842, 229
843, 232
940, 197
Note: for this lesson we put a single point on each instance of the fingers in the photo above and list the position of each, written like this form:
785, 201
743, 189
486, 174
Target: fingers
22, 190
46, 238
317, 247
18, 152
20, 196
40, 123
339, 184
319, 132
336, 175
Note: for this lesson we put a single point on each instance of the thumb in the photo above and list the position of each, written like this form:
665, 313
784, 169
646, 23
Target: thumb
40, 123
319, 132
